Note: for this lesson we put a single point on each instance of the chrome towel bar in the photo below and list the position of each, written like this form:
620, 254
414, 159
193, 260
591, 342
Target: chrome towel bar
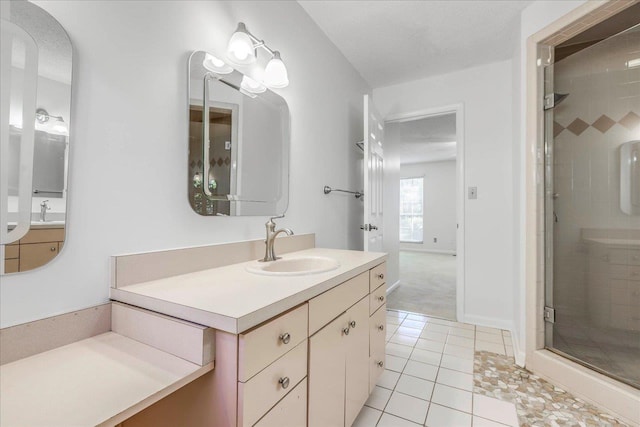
328, 190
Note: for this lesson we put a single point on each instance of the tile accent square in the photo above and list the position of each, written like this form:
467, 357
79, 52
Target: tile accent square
441, 416
407, 407
452, 398
577, 126
415, 387
603, 123
630, 121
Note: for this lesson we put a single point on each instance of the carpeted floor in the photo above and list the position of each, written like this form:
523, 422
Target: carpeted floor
427, 285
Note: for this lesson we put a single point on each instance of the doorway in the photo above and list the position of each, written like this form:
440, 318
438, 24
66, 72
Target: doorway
429, 147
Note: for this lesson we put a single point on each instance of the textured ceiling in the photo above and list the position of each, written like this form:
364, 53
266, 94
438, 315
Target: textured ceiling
425, 140
391, 42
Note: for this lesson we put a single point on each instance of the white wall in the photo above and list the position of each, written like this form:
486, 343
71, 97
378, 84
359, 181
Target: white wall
439, 200
127, 190
486, 94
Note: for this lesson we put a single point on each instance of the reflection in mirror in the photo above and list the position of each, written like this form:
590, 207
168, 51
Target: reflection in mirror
35, 70
242, 129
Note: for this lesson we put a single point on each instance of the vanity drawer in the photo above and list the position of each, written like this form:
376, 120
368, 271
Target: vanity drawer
624, 256
36, 254
290, 411
43, 235
377, 299
11, 265
378, 331
263, 344
329, 305
11, 251
625, 272
377, 276
262, 392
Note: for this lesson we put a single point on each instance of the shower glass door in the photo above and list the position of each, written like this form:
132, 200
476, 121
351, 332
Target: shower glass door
592, 226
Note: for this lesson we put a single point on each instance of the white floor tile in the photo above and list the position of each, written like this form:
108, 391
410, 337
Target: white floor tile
429, 345
488, 330
388, 420
457, 364
441, 416
507, 340
395, 363
452, 398
490, 346
466, 333
461, 341
396, 314
434, 327
388, 337
484, 336
393, 320
392, 328
482, 422
412, 332
413, 324
456, 350
433, 336
415, 387
421, 370
418, 317
408, 407
426, 356
398, 350
506, 333
368, 417
463, 326
388, 379
495, 410
440, 321
403, 339
455, 379
509, 350
379, 398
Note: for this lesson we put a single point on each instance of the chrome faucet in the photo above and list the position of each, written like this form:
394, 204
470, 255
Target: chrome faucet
43, 210
270, 254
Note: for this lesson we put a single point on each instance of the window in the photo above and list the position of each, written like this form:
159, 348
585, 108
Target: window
411, 210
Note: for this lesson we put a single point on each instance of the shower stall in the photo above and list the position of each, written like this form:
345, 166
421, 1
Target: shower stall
592, 205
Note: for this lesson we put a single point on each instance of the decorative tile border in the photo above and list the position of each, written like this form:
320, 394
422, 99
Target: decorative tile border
537, 401
630, 121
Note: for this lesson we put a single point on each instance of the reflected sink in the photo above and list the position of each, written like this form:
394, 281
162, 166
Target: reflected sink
294, 266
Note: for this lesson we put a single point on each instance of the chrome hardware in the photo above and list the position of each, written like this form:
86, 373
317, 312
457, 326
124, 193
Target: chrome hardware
53, 249
364, 227
284, 382
380, 363
556, 195
44, 207
270, 254
381, 276
328, 190
345, 331
549, 315
381, 298
285, 338
381, 327
352, 324
197, 180
372, 227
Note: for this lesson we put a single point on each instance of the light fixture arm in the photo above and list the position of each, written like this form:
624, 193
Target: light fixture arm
256, 41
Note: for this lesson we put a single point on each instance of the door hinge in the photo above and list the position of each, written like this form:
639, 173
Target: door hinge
549, 315
365, 227
549, 102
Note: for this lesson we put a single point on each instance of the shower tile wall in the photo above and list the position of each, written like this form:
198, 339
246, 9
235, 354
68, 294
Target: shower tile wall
601, 112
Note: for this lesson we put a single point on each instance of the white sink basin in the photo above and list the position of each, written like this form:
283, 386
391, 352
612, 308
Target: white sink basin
294, 266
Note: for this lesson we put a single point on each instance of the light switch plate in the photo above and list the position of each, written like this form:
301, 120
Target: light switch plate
473, 192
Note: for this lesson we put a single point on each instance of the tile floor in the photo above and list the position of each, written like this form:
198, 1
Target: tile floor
441, 373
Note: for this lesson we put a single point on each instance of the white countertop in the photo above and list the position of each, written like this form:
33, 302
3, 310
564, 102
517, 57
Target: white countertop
233, 300
99, 381
614, 242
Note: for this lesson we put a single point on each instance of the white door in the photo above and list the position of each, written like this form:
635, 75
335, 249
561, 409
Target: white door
373, 177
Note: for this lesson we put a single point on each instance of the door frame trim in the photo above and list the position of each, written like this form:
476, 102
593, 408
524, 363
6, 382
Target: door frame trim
458, 110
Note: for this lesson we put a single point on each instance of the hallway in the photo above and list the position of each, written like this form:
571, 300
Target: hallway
427, 285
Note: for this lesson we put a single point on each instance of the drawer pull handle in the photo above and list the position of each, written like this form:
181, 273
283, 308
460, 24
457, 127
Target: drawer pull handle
352, 324
284, 382
381, 327
381, 298
380, 363
345, 331
53, 249
381, 276
285, 338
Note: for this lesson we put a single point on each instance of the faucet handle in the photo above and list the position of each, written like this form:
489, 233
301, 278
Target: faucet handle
276, 217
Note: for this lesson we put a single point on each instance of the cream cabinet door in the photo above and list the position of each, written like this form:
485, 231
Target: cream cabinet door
327, 374
357, 360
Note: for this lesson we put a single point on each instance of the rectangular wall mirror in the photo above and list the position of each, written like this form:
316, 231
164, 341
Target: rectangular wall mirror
239, 138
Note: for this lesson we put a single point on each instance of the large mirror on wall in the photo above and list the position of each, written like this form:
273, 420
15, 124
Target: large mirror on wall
239, 140
35, 72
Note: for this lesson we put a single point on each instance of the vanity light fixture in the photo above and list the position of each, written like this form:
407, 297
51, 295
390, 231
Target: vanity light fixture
633, 63
251, 85
57, 126
216, 65
243, 49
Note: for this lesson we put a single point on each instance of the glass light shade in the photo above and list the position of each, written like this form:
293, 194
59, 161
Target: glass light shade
60, 127
275, 74
240, 48
252, 86
216, 65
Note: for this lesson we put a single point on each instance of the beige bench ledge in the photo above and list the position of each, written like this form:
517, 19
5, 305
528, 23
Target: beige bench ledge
99, 381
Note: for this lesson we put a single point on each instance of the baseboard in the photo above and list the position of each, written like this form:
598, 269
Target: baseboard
490, 322
392, 287
518, 352
433, 251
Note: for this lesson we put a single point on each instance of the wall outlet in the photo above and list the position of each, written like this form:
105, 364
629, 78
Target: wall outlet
473, 192
435, 240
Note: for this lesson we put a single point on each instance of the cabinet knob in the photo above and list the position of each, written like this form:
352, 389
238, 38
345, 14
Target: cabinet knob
285, 338
381, 276
381, 298
381, 327
284, 382
352, 323
380, 363
345, 331
53, 248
